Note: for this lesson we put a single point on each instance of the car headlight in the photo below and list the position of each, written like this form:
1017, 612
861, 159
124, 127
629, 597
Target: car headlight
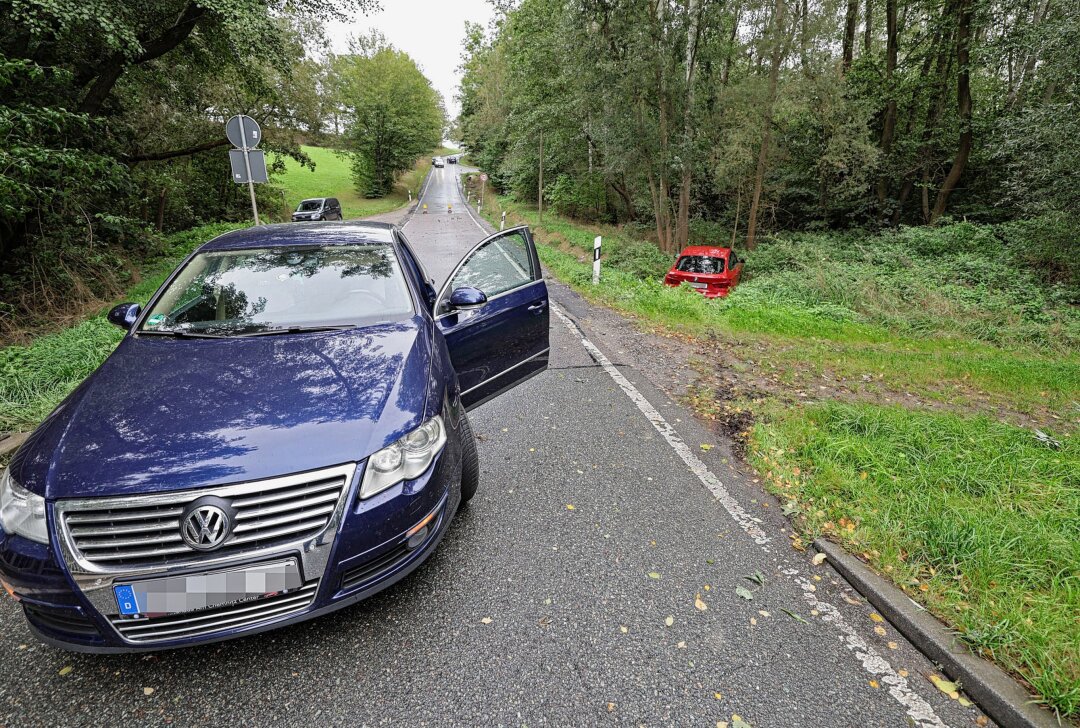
405, 459
21, 512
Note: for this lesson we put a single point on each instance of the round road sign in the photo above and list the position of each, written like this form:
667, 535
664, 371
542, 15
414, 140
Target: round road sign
483, 178
251, 135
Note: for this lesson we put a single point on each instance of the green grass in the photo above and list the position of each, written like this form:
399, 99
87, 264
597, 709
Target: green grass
807, 341
35, 378
974, 518
332, 177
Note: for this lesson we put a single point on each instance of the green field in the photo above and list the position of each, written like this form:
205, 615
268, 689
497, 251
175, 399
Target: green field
332, 177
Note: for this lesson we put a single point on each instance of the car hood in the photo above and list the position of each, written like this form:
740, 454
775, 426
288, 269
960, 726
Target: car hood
167, 414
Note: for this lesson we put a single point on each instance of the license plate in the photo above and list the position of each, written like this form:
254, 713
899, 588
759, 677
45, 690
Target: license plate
175, 594
700, 285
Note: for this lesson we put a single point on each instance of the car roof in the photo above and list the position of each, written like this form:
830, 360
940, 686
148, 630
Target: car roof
709, 250
350, 232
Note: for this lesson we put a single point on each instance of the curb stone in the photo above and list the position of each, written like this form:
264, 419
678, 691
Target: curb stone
992, 689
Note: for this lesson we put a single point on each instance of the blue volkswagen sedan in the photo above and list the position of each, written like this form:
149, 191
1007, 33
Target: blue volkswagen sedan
283, 431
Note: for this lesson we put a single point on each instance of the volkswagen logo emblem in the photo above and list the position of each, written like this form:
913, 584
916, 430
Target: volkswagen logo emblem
206, 524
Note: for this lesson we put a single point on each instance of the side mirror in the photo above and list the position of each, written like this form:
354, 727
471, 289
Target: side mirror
467, 297
124, 315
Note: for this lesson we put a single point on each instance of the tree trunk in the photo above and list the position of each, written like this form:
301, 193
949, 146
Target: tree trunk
766, 132
682, 220
963, 100
888, 127
868, 28
161, 209
849, 34
540, 183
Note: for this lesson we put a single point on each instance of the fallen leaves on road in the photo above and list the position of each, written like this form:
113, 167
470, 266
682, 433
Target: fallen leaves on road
699, 604
854, 602
793, 615
147, 691
982, 720
745, 593
623, 628
819, 559
66, 669
669, 621
879, 631
681, 645
874, 684
946, 686
738, 722
875, 617
485, 620
569, 506
763, 613
654, 574
893, 646
706, 446
757, 577
611, 707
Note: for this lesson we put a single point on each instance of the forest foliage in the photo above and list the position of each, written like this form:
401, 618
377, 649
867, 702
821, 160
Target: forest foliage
779, 114
111, 116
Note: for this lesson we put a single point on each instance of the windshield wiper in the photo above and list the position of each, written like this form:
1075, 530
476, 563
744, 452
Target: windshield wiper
180, 334
298, 330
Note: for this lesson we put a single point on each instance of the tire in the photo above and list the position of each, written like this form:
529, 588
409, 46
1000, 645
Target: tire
470, 461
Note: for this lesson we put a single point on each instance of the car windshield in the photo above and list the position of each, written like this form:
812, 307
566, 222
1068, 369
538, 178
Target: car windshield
231, 292
309, 206
700, 264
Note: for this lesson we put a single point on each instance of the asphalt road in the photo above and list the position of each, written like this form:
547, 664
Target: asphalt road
563, 595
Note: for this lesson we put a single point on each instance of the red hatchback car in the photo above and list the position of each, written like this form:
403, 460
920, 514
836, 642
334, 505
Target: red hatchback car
712, 271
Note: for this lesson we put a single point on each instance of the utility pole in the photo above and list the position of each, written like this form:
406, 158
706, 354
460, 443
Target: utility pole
540, 191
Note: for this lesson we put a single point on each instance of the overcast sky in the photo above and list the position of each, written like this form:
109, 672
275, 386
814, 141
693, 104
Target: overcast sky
431, 31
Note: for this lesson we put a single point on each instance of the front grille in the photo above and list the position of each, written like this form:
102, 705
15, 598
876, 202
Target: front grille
64, 621
216, 619
120, 533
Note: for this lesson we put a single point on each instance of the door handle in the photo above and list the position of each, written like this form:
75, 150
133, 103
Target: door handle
538, 306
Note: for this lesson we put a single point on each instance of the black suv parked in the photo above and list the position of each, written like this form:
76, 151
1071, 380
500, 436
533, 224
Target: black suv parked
318, 208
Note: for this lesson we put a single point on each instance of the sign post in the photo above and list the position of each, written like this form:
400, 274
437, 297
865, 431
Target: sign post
483, 184
596, 261
502, 223
245, 133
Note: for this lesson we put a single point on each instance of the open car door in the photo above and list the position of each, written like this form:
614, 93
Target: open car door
493, 313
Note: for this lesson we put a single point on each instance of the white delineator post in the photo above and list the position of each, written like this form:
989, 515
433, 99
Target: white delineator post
596, 261
502, 223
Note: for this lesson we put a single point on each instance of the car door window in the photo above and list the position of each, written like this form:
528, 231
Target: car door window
499, 265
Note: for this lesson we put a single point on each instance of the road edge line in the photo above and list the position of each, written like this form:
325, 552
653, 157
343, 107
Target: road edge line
992, 689
919, 711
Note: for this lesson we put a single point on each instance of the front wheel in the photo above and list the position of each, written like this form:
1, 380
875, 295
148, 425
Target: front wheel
470, 461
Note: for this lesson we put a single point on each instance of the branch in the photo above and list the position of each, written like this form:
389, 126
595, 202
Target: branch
115, 66
159, 156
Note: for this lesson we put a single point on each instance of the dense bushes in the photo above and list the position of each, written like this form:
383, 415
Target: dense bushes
1001, 284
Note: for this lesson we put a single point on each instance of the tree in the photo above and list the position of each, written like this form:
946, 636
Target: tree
392, 113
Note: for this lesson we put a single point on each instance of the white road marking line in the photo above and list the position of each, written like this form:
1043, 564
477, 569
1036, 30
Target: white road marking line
919, 711
698, 468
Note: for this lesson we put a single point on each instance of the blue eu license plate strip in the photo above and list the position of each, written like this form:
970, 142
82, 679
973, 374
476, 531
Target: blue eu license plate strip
191, 592
125, 599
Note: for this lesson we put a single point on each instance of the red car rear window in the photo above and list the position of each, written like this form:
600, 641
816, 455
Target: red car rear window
700, 264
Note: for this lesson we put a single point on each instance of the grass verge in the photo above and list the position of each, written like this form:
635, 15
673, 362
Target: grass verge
905, 448
36, 377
